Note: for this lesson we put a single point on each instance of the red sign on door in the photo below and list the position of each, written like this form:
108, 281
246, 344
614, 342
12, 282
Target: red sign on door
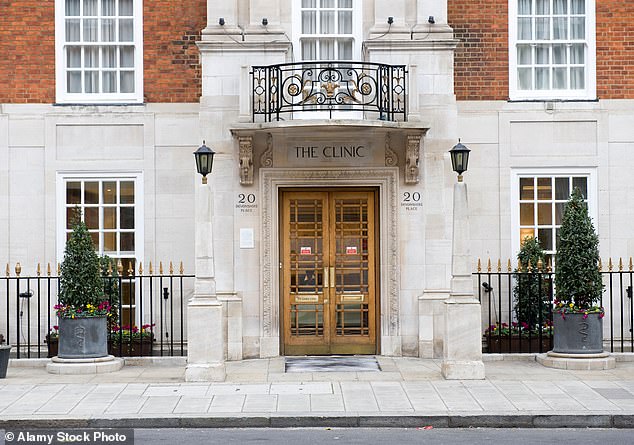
305, 250
351, 250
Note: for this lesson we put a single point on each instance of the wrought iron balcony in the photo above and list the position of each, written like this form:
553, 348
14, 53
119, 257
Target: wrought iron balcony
376, 89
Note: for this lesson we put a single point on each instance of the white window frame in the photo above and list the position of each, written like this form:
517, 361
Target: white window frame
590, 91
62, 96
357, 11
64, 177
516, 174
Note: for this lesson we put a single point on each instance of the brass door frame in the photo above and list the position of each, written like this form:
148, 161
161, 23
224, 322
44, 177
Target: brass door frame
333, 344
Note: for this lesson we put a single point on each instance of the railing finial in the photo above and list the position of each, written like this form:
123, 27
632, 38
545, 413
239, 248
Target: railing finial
182, 269
620, 264
140, 267
38, 271
18, 269
499, 265
48, 269
130, 268
631, 265
151, 270
529, 268
120, 267
479, 265
509, 267
8, 271
600, 265
489, 265
160, 267
540, 265
610, 264
171, 269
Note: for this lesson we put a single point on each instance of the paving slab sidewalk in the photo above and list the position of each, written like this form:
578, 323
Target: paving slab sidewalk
408, 392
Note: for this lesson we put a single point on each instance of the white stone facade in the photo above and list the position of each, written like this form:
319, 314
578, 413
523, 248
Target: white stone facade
40, 142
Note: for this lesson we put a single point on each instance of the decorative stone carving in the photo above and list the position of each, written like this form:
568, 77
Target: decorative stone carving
391, 158
266, 160
271, 180
246, 159
412, 157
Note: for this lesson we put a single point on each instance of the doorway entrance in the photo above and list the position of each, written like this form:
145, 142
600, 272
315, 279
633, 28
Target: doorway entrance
329, 284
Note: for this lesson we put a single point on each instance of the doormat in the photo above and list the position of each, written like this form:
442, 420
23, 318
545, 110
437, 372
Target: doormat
352, 363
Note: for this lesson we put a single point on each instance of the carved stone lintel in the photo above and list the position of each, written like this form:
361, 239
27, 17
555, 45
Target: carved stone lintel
412, 157
266, 160
391, 158
246, 159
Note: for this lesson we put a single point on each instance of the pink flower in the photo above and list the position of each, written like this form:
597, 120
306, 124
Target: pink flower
585, 315
56, 327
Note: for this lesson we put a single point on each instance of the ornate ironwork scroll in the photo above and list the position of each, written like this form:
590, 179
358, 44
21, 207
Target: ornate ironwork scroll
377, 89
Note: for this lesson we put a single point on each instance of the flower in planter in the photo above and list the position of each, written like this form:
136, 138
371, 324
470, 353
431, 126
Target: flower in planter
53, 334
133, 333
522, 329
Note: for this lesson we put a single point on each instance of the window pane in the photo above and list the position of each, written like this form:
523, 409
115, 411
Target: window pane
71, 215
327, 50
559, 54
577, 6
108, 30
73, 82
527, 188
562, 188
524, 54
582, 185
73, 193
345, 3
544, 189
127, 242
559, 212
545, 237
560, 28
560, 78
577, 79
108, 7
127, 82
127, 218
109, 218
524, 7
91, 57
345, 22
327, 25
127, 192
127, 56
542, 78
72, 30
125, 7
526, 233
309, 50
91, 81
524, 78
126, 31
544, 214
309, 22
541, 54
524, 31
109, 57
109, 192
91, 217
109, 82
309, 3
109, 242
527, 214
345, 49
577, 28
94, 236
72, 7
327, 3
90, 30
560, 6
90, 7
91, 192
542, 28
73, 57
542, 7
577, 54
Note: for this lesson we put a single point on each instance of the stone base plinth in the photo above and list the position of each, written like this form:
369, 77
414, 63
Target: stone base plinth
578, 362
75, 366
205, 373
462, 370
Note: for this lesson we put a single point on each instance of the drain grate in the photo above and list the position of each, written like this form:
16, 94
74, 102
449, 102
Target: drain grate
332, 364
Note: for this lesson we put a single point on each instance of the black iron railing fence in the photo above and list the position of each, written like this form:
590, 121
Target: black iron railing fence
377, 89
152, 301
502, 290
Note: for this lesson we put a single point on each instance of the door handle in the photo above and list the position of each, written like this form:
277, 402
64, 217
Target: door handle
332, 277
326, 281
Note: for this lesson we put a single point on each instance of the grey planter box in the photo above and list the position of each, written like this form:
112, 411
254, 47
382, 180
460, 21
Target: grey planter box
83, 337
4, 360
576, 335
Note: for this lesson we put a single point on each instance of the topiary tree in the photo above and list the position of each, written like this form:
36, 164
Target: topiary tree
531, 290
81, 283
577, 278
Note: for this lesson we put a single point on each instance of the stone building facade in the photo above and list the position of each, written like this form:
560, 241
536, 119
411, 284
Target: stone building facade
102, 103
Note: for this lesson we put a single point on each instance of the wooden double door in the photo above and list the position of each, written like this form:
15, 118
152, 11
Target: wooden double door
328, 252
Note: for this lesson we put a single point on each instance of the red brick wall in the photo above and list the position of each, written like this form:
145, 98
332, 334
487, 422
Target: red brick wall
171, 61
27, 51
615, 49
481, 60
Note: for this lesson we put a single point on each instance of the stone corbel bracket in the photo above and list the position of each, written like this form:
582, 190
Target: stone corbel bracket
246, 159
412, 156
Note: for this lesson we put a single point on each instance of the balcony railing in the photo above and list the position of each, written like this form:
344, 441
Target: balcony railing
376, 89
